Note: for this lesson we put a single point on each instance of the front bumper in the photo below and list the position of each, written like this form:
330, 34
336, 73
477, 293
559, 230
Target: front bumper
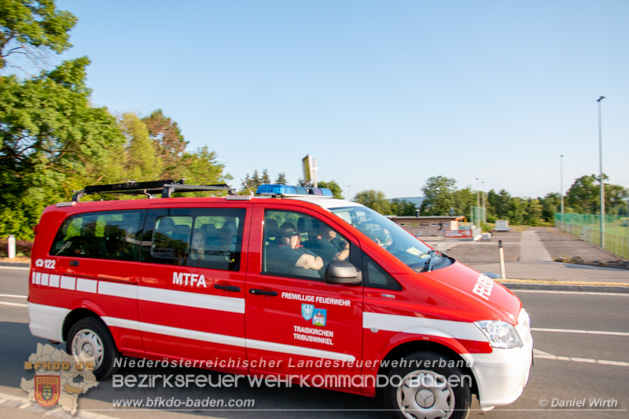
502, 374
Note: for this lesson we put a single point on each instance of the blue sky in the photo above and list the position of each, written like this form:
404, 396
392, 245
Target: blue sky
384, 94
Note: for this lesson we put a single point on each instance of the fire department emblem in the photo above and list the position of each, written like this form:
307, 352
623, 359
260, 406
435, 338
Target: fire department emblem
307, 311
319, 317
47, 389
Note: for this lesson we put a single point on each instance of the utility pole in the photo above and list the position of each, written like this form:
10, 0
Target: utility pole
600, 158
561, 182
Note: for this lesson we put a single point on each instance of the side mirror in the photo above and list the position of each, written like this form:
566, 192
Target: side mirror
342, 272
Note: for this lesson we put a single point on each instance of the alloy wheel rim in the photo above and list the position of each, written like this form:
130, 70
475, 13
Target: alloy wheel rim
88, 346
425, 395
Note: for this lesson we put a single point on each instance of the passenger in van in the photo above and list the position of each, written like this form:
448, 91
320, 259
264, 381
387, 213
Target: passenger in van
292, 258
381, 236
197, 248
126, 248
212, 252
327, 245
271, 231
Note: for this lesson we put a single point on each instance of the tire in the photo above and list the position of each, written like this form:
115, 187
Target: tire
89, 339
424, 386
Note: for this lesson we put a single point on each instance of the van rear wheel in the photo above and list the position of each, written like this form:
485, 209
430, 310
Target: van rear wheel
427, 386
90, 340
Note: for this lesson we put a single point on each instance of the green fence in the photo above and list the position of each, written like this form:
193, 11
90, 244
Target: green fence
478, 215
588, 228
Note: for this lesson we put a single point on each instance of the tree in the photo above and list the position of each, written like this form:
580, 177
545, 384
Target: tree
265, 179
169, 142
551, 204
464, 199
334, 187
402, 207
31, 28
439, 193
583, 195
534, 212
498, 202
49, 137
141, 162
202, 168
281, 179
517, 210
616, 199
375, 200
251, 183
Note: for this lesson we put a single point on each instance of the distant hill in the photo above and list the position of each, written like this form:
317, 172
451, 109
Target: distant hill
417, 200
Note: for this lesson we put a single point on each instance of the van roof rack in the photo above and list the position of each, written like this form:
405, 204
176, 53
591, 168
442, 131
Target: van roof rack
150, 189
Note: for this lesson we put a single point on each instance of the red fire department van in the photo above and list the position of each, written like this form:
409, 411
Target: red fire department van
290, 283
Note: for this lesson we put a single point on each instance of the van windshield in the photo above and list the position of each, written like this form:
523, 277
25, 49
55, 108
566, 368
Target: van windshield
393, 238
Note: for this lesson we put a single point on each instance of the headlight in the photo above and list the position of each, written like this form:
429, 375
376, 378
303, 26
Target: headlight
500, 334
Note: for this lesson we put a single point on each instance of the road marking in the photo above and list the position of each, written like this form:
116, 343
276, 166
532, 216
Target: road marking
586, 332
13, 296
15, 267
4, 303
626, 294
545, 355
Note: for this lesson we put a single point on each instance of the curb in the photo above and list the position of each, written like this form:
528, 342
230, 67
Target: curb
567, 287
16, 264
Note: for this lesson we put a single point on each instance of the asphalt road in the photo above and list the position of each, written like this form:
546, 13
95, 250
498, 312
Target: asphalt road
582, 360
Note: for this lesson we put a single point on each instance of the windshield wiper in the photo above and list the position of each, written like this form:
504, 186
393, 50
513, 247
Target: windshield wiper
431, 255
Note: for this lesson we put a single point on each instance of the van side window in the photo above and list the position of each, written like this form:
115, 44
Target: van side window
102, 235
199, 237
376, 277
298, 245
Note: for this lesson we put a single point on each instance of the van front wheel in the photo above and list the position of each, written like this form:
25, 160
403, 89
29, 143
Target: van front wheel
425, 386
90, 340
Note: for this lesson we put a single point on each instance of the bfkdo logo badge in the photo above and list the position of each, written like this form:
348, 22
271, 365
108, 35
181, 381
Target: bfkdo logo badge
47, 389
58, 378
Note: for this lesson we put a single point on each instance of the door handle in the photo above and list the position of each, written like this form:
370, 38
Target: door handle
232, 288
256, 291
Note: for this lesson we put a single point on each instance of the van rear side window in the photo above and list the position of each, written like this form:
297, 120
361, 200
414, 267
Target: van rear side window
102, 235
208, 238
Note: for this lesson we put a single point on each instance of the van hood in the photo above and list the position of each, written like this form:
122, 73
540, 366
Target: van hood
487, 292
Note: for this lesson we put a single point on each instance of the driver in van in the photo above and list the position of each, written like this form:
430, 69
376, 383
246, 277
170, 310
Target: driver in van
291, 257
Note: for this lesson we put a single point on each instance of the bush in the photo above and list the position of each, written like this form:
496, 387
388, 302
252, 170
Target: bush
22, 247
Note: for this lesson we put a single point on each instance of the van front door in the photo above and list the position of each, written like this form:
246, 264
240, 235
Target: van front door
297, 325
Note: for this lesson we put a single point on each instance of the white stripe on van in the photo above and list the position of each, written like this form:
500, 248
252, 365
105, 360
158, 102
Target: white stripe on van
423, 326
118, 290
225, 339
54, 281
86, 285
297, 350
135, 292
68, 282
191, 299
174, 331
